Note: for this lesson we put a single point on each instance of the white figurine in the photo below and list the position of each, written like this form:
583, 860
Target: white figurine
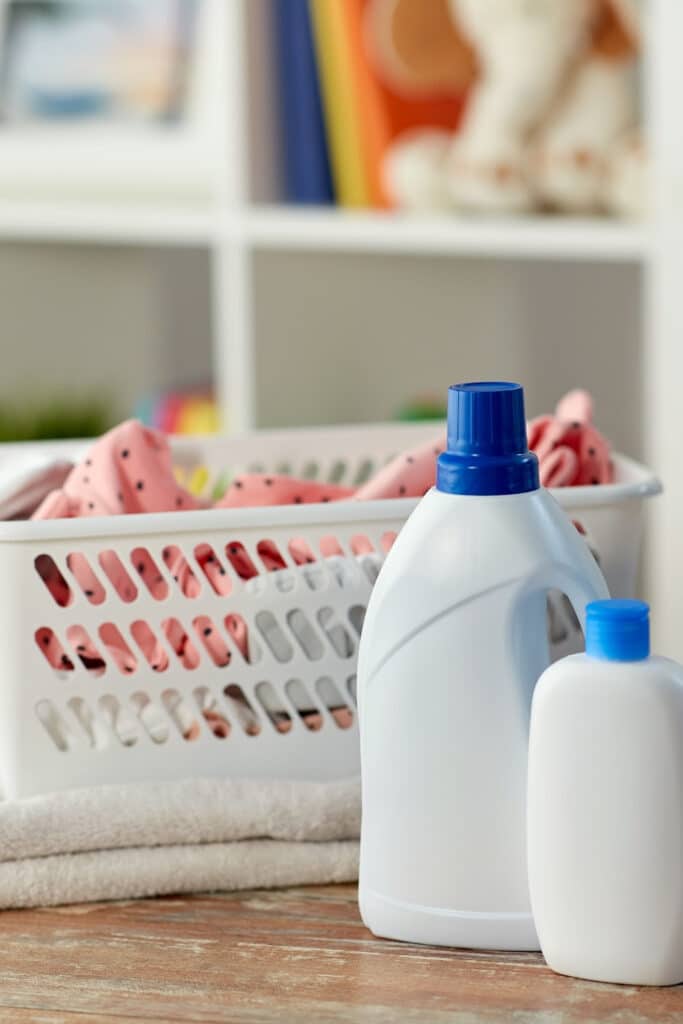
552, 100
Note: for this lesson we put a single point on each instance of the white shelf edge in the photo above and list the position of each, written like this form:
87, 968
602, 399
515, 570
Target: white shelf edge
288, 228
108, 223
523, 238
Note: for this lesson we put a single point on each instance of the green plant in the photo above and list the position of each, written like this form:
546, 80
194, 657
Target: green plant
53, 419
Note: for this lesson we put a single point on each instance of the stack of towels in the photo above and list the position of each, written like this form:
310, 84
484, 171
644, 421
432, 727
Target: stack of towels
201, 835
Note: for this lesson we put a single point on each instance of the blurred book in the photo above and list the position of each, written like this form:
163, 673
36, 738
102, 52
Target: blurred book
408, 73
308, 177
388, 68
340, 103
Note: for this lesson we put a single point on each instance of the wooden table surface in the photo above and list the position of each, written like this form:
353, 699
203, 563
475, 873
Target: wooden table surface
294, 955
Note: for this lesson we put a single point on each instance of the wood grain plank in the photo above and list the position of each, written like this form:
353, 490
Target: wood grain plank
20, 1016
294, 955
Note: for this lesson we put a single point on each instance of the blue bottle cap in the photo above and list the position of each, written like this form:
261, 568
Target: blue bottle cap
618, 630
487, 451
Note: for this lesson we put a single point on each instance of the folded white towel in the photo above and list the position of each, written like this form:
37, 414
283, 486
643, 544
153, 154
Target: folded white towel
26, 477
119, 842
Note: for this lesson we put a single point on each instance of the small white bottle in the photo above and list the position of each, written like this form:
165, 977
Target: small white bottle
605, 805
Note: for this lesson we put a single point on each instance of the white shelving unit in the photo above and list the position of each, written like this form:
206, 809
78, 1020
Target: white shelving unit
359, 306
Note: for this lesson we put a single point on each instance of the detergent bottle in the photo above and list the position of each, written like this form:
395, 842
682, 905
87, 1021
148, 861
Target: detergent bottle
453, 643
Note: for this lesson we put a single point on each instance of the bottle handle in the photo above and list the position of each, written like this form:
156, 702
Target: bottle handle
580, 589
580, 586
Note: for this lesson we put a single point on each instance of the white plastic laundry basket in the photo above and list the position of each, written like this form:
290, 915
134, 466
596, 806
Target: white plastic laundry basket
285, 704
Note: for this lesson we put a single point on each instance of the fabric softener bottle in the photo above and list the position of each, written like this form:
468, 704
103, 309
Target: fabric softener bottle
453, 643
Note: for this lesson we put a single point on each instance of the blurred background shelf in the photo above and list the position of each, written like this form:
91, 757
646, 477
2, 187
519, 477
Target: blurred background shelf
286, 227
276, 227
107, 223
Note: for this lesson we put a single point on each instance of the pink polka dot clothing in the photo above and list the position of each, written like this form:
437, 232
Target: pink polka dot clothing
127, 470
130, 470
571, 451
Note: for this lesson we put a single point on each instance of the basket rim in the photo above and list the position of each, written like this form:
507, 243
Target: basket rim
640, 483
149, 524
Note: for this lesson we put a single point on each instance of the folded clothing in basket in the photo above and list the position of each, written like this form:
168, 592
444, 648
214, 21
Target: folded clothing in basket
148, 839
130, 470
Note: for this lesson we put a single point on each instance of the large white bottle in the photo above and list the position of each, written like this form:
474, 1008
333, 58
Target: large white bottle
606, 806
453, 642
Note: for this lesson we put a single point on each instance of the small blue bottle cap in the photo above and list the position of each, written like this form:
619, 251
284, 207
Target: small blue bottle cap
487, 451
618, 630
